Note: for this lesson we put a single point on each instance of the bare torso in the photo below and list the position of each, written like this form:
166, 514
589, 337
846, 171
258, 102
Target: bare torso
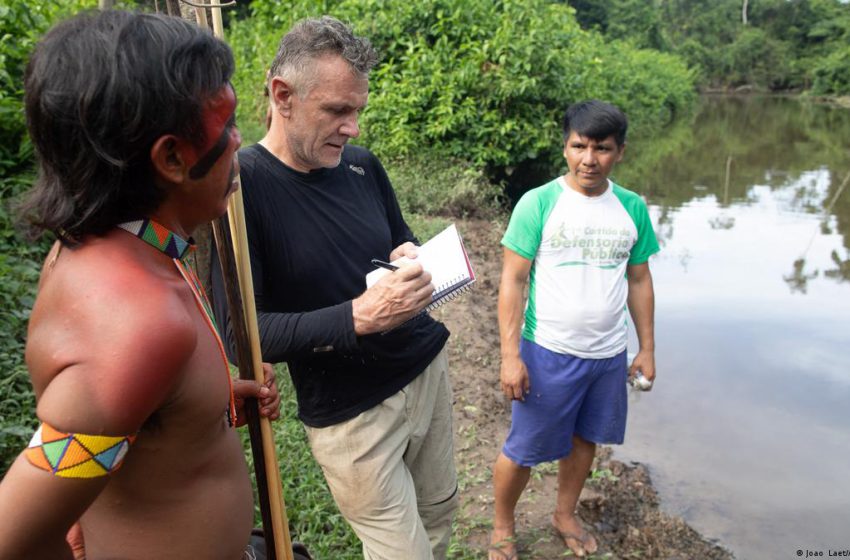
183, 490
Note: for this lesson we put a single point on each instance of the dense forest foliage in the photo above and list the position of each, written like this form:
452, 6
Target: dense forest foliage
473, 80
764, 44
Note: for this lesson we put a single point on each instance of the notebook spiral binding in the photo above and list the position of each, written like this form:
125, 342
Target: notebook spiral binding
445, 293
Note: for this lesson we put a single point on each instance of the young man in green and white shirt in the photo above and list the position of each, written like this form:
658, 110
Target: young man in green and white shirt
582, 244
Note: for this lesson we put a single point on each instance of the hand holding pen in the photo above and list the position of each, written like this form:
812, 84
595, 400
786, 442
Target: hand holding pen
393, 299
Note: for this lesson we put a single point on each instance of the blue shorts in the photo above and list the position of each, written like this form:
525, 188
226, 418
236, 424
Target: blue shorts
569, 395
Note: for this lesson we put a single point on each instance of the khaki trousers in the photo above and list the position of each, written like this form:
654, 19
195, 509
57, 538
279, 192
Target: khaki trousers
391, 469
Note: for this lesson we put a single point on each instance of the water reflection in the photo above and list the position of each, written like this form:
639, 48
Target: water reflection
798, 279
732, 145
747, 432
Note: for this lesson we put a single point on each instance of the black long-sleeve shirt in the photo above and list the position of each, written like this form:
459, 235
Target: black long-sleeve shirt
311, 238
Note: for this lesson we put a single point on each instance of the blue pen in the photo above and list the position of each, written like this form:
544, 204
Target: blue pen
383, 264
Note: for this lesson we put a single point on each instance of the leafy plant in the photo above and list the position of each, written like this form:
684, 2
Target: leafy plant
780, 45
19, 268
21, 23
832, 74
427, 184
603, 474
475, 82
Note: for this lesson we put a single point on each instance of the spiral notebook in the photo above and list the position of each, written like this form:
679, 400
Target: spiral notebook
444, 256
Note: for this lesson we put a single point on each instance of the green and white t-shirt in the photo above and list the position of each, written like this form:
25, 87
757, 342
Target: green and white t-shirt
580, 247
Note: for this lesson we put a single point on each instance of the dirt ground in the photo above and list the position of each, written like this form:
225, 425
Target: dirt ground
618, 504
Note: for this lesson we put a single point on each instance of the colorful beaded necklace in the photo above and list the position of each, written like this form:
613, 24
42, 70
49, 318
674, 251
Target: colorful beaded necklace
179, 249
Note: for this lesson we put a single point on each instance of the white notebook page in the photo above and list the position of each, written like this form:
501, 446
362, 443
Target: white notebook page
443, 256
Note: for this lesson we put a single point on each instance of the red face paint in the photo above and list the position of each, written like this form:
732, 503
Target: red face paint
217, 120
217, 114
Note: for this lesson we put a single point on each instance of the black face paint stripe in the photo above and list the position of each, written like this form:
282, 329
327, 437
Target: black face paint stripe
213, 154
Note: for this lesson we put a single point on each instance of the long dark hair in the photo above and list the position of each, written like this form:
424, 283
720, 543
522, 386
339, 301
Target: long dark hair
100, 89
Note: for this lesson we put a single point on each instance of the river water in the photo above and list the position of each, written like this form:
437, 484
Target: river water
747, 431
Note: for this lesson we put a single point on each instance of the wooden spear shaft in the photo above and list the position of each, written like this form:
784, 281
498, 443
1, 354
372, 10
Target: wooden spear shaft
245, 361
279, 546
279, 522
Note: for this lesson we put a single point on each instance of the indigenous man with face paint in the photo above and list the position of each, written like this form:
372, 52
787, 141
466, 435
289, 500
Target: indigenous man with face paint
581, 245
136, 455
369, 371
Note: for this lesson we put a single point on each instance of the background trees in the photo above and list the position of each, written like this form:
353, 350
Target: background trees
475, 81
779, 45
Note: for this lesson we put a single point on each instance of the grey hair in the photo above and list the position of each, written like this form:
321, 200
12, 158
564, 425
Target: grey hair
312, 38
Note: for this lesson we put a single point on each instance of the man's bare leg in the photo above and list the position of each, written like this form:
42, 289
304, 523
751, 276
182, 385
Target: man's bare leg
572, 472
509, 480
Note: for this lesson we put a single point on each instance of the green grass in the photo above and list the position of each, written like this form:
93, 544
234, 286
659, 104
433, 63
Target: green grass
313, 516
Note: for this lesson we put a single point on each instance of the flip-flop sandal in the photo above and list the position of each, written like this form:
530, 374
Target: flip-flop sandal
497, 547
582, 538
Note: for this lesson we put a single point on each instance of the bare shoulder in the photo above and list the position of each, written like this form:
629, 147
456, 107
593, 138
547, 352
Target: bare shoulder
109, 337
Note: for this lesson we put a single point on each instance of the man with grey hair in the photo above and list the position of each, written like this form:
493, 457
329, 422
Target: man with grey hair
369, 370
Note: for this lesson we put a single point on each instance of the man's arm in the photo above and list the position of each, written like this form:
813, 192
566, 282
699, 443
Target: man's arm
38, 510
104, 385
514, 376
642, 309
282, 335
390, 302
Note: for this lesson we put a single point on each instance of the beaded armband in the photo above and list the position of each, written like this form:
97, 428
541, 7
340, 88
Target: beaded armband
76, 455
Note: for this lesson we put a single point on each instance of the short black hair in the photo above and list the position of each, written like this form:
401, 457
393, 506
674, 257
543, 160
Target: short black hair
596, 120
99, 90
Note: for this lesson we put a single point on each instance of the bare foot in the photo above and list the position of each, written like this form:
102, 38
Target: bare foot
577, 539
502, 544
